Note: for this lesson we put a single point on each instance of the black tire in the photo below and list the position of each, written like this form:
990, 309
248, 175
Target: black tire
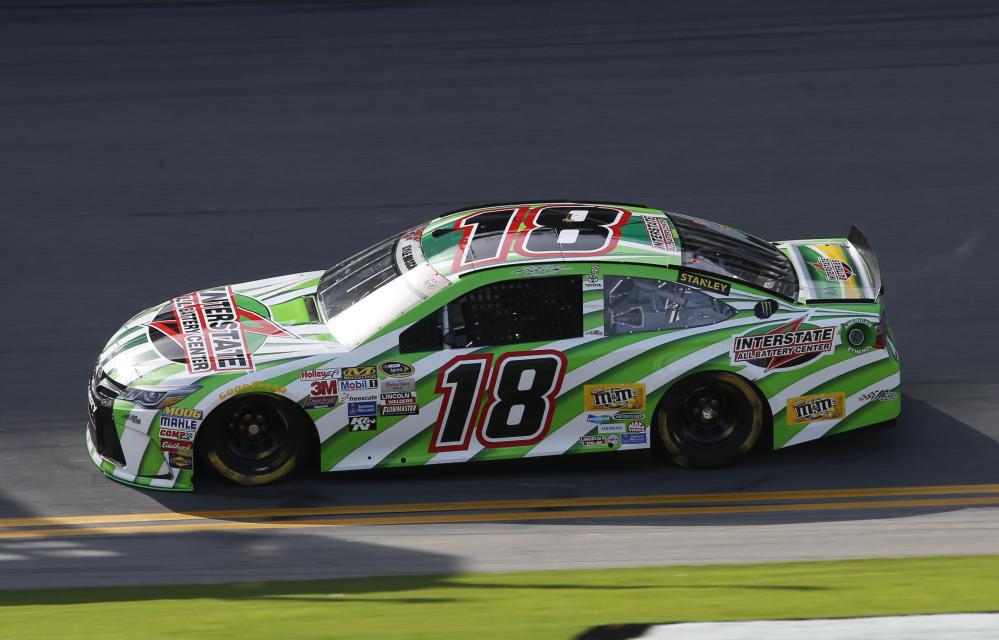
254, 439
708, 420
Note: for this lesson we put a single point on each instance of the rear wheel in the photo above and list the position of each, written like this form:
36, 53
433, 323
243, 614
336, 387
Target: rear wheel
254, 439
708, 420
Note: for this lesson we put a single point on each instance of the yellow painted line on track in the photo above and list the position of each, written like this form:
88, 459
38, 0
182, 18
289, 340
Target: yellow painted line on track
507, 516
430, 507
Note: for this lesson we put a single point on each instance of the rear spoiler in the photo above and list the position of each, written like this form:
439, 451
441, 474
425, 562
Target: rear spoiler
863, 247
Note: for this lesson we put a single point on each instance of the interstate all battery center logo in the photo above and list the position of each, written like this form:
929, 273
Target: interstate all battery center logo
207, 331
786, 346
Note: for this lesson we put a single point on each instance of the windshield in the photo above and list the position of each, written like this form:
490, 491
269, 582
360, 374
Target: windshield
367, 291
714, 248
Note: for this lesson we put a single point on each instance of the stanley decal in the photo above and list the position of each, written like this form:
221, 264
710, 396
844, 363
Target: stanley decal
703, 282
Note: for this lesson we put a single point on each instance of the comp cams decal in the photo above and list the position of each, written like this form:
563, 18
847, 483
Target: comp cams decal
207, 332
784, 347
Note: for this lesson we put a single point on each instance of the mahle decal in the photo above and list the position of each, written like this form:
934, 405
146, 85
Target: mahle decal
622, 396
783, 347
807, 409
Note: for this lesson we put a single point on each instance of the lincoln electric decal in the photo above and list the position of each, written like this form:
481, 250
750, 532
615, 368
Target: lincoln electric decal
207, 331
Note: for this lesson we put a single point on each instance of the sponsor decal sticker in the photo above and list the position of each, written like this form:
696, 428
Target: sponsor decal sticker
610, 428
852, 331
399, 398
620, 396
590, 441
363, 423
181, 418
405, 385
265, 387
177, 434
400, 410
593, 282
659, 234
629, 416
322, 388
634, 438
545, 270
396, 369
703, 282
174, 445
598, 419
636, 427
181, 461
765, 308
834, 270
595, 269
881, 395
359, 373
347, 386
612, 440
206, 331
319, 374
361, 409
783, 347
599, 331
813, 408
327, 402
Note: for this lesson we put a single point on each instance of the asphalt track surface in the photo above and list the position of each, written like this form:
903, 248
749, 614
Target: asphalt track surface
151, 150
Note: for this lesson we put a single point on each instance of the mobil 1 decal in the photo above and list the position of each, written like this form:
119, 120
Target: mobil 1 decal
506, 403
563, 231
212, 330
783, 346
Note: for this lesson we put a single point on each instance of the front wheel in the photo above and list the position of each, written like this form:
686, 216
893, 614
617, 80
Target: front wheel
708, 420
253, 439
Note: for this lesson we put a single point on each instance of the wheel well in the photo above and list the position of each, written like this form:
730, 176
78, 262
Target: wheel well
768, 421
293, 408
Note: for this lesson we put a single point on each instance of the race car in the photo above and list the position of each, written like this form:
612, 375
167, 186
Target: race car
504, 331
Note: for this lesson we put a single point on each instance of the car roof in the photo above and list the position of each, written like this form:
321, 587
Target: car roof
635, 234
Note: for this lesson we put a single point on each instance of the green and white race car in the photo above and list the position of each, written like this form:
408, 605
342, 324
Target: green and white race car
504, 331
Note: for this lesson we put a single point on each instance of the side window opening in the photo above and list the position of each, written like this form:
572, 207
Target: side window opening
423, 335
637, 305
528, 310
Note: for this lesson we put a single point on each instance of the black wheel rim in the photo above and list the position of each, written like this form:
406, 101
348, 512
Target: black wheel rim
709, 416
255, 435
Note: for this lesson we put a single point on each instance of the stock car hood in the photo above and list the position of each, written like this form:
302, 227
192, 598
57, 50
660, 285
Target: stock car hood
234, 328
830, 270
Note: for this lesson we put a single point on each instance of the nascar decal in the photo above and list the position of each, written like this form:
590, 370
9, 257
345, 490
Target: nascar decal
785, 346
813, 408
834, 270
659, 234
396, 369
208, 332
620, 396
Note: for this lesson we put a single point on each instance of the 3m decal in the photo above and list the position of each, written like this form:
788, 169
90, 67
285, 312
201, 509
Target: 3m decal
563, 231
634, 438
405, 385
703, 282
636, 427
621, 396
177, 434
610, 428
327, 402
322, 388
400, 410
180, 461
590, 441
265, 387
813, 408
206, 331
783, 347
359, 373
362, 423
174, 445
181, 418
882, 395
362, 409
319, 374
519, 399
659, 234
834, 270
396, 369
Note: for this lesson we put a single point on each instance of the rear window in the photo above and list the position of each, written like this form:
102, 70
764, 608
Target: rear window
713, 248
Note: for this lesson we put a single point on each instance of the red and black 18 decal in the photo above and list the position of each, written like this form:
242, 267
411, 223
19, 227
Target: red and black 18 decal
519, 391
552, 231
